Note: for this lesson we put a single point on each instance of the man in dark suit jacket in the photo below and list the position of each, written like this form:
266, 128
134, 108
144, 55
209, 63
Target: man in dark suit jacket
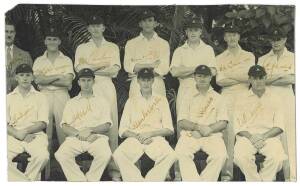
14, 56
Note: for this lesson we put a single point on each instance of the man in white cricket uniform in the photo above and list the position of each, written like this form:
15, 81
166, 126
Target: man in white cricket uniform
280, 66
86, 121
184, 61
147, 50
54, 73
232, 68
27, 117
202, 119
104, 59
146, 120
258, 124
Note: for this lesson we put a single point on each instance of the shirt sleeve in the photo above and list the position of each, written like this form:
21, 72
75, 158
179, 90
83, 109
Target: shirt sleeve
36, 68
222, 113
129, 53
278, 116
69, 67
125, 119
163, 67
176, 59
43, 112
68, 114
166, 115
116, 56
212, 58
80, 59
238, 124
105, 112
184, 109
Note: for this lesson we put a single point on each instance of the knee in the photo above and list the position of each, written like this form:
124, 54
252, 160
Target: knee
103, 155
42, 156
60, 155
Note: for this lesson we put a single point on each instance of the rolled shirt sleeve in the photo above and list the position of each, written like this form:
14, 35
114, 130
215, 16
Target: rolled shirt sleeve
128, 58
166, 115
43, 112
164, 57
125, 119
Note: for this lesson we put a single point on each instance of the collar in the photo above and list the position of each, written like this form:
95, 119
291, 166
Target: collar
285, 51
139, 95
103, 42
79, 96
227, 52
142, 37
251, 93
186, 45
17, 91
209, 91
44, 56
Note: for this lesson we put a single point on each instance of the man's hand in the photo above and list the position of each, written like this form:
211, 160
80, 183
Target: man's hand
196, 134
20, 134
256, 137
147, 141
29, 138
144, 136
92, 138
204, 130
84, 134
156, 63
259, 144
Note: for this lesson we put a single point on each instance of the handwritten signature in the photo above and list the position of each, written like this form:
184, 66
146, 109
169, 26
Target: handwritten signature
82, 113
50, 69
145, 114
19, 116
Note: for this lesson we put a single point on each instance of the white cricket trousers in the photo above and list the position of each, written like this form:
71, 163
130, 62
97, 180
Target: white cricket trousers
37, 149
244, 157
212, 145
130, 151
72, 147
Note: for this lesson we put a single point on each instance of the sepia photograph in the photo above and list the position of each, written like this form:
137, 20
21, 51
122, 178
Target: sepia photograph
150, 93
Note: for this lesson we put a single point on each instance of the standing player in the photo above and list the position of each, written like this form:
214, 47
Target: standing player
54, 73
147, 50
104, 59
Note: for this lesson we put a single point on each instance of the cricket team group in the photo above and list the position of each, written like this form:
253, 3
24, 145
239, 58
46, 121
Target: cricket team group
254, 113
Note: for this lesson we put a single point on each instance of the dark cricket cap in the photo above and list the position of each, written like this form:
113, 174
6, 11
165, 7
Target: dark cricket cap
95, 20
145, 73
24, 68
193, 23
231, 28
52, 32
257, 71
86, 72
277, 33
146, 14
203, 69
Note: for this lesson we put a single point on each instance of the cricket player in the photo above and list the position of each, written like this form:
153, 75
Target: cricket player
145, 122
103, 58
279, 64
232, 68
202, 119
53, 72
258, 124
86, 122
147, 50
27, 117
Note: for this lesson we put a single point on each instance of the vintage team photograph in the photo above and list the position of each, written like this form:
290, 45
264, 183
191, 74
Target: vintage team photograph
150, 93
